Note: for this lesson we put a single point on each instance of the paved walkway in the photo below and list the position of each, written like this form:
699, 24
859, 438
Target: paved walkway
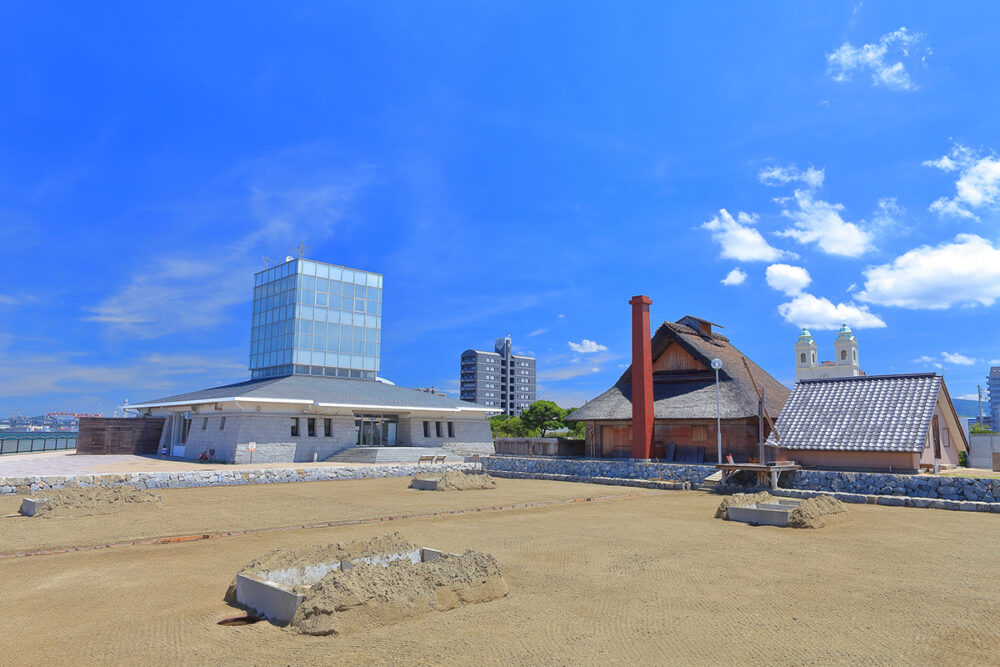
71, 463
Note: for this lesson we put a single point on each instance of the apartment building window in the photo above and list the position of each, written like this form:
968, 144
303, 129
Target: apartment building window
204, 423
222, 424
437, 429
327, 428
295, 427
451, 429
427, 429
311, 426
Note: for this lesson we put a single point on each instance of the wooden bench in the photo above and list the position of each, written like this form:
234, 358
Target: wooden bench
439, 459
425, 459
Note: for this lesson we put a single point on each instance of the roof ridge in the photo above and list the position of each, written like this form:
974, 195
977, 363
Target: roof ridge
884, 376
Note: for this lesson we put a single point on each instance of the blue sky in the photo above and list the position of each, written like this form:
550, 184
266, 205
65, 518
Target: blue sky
510, 168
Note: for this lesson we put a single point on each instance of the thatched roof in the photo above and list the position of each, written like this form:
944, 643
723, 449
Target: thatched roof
691, 394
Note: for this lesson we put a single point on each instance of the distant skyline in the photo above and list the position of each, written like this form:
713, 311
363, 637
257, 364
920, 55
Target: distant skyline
512, 168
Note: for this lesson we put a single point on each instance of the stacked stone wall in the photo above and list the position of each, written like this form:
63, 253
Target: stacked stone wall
581, 469
217, 477
937, 487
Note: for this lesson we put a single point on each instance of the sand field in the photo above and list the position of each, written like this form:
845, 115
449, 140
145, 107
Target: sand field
647, 579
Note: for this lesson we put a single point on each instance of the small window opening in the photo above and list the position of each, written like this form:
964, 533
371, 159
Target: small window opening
222, 423
204, 423
427, 429
295, 427
311, 425
327, 428
451, 429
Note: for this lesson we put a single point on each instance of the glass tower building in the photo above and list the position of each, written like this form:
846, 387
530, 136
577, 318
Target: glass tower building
313, 318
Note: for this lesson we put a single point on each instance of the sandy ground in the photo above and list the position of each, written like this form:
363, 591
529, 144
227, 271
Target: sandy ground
68, 462
652, 579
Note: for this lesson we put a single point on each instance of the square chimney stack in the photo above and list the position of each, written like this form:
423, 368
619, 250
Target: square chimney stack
642, 379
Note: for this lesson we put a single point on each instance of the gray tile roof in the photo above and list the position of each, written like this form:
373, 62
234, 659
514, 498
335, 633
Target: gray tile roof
691, 395
321, 390
885, 413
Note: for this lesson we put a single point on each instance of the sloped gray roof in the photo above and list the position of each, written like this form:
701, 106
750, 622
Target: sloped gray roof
883, 413
691, 395
321, 390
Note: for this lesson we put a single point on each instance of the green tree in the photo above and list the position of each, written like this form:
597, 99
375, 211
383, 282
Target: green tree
543, 416
577, 430
505, 426
979, 428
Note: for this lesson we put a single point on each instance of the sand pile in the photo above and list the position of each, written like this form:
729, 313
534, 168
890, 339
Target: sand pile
456, 480
809, 513
376, 595
89, 501
282, 558
740, 499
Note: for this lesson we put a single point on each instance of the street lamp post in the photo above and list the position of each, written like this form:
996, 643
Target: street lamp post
717, 364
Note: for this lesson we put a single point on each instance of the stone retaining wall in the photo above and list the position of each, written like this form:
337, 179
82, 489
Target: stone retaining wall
971, 489
193, 478
584, 470
897, 501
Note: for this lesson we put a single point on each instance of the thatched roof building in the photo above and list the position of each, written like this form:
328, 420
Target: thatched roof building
684, 399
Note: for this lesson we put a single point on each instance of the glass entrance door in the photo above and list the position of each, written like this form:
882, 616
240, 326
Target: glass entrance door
376, 430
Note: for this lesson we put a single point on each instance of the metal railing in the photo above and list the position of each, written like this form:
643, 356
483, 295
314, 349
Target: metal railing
26, 443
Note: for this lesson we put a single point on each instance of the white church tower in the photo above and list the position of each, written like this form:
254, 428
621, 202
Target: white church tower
846, 348
845, 362
805, 355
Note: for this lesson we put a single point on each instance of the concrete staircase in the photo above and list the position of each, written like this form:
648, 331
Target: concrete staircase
391, 455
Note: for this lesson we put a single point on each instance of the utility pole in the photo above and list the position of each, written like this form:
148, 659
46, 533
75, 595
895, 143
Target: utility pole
980, 388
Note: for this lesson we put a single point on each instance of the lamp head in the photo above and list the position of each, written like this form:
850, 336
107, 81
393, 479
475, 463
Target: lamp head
716, 364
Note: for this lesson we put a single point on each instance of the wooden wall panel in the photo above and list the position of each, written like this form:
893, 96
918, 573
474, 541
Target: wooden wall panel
119, 436
674, 358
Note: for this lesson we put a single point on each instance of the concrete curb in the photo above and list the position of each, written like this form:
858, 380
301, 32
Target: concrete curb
219, 477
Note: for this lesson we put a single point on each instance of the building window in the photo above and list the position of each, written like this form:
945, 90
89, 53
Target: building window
451, 429
327, 428
222, 424
427, 429
437, 429
311, 426
204, 423
295, 427
843, 355
802, 358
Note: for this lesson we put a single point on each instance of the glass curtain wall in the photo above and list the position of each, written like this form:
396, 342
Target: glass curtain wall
312, 318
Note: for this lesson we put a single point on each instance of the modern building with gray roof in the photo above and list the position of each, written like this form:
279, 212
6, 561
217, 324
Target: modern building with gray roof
305, 418
870, 422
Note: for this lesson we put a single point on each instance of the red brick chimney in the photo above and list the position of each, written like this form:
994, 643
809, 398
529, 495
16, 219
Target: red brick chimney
642, 379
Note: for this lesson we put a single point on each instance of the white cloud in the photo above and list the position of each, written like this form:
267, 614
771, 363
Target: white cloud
928, 361
812, 312
966, 270
888, 213
567, 372
787, 278
184, 291
993, 362
561, 316
820, 222
811, 177
958, 359
978, 184
587, 347
537, 332
876, 59
740, 240
735, 277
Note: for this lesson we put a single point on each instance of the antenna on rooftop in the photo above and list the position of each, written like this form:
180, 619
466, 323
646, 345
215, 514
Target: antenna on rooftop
266, 260
302, 248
